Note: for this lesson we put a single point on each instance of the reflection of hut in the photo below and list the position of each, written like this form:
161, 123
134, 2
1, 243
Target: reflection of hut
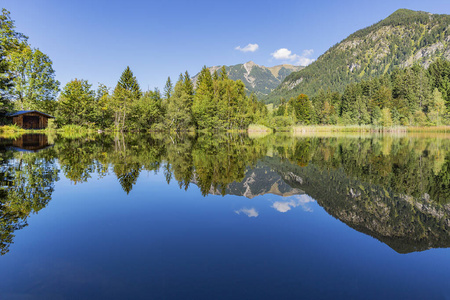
31, 142
26, 142
30, 119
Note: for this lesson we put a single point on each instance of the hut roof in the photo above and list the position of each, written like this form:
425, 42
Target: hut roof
21, 112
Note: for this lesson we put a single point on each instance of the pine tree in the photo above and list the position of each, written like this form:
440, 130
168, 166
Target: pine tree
179, 109
302, 108
127, 91
168, 89
223, 73
129, 83
204, 108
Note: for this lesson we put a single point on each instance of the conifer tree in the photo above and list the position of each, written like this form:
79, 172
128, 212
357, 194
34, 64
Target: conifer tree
302, 108
129, 83
127, 91
204, 108
223, 73
168, 89
179, 109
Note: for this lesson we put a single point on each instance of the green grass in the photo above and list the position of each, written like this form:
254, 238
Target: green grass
258, 128
348, 128
11, 128
428, 129
369, 128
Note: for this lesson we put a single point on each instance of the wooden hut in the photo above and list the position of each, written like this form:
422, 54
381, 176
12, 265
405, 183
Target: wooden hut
30, 119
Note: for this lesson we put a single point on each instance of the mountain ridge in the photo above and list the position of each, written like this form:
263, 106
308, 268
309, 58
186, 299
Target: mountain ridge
260, 80
402, 39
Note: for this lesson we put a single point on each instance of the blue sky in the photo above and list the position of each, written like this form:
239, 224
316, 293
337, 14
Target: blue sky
96, 40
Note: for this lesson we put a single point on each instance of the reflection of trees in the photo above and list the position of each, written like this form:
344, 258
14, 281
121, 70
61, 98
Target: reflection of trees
27, 181
79, 158
403, 222
409, 166
392, 189
212, 161
220, 161
386, 187
406, 165
179, 158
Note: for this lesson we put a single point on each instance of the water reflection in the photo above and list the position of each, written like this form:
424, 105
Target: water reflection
28, 142
285, 206
249, 212
27, 183
395, 189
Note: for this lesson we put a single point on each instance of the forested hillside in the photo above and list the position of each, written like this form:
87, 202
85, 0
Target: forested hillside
401, 40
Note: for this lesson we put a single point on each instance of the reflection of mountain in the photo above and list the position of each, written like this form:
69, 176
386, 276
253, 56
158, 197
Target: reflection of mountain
258, 181
403, 223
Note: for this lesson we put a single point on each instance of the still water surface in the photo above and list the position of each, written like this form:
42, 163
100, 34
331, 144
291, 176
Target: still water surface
225, 217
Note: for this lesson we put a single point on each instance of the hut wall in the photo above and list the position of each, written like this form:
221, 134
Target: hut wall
18, 121
31, 124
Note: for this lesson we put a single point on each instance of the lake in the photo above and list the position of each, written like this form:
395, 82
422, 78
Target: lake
329, 216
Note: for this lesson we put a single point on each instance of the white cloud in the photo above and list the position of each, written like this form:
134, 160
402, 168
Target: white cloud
284, 206
286, 54
248, 48
250, 212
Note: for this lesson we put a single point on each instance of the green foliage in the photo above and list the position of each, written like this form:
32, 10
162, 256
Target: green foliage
409, 96
128, 82
104, 107
10, 41
168, 89
77, 103
179, 108
302, 109
35, 86
147, 112
127, 91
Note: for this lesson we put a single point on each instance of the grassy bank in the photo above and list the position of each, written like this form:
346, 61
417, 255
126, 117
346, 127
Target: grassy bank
350, 128
11, 131
258, 128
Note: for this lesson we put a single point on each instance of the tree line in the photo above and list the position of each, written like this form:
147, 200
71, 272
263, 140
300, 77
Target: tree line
411, 96
215, 102
28, 82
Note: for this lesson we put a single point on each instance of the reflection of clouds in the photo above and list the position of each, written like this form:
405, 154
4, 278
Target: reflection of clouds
250, 212
284, 206
302, 201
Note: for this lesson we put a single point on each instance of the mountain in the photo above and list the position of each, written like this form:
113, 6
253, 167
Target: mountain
258, 79
404, 38
258, 181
